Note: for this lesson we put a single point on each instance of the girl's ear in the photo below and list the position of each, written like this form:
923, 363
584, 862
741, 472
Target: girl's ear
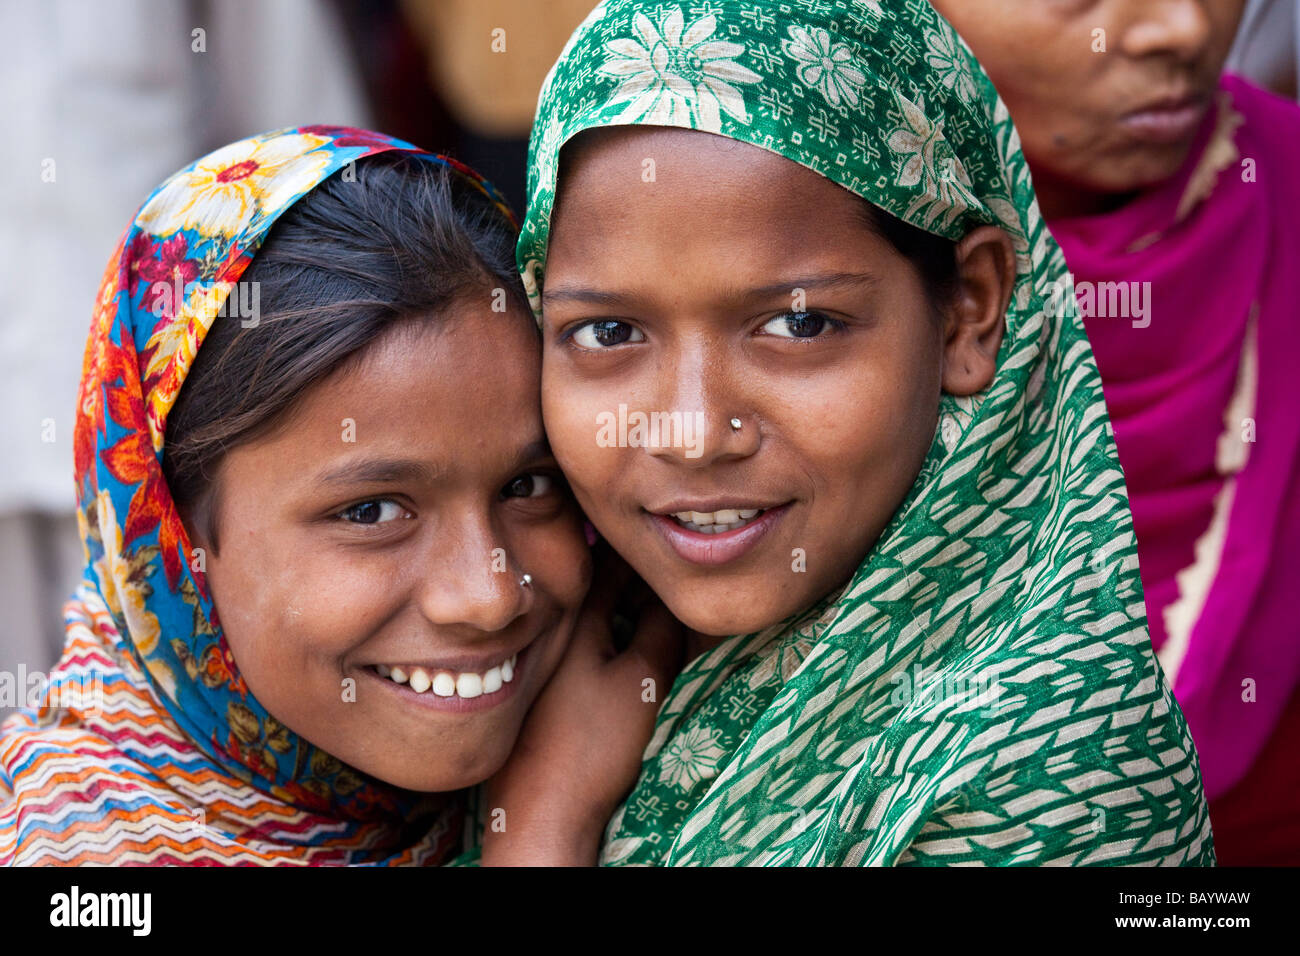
976, 321
198, 519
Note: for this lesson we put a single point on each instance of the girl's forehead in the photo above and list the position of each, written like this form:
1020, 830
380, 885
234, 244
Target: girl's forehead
634, 190
645, 156
425, 392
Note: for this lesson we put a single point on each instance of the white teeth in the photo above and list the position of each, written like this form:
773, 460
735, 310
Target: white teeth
715, 522
446, 684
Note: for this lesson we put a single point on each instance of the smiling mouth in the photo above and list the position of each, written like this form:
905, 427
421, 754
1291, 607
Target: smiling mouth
439, 682
717, 537
716, 522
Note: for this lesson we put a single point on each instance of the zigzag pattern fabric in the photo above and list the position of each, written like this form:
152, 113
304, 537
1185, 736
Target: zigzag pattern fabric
983, 691
106, 777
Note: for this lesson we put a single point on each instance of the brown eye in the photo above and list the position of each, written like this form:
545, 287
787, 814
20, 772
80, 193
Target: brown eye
528, 486
606, 334
372, 512
797, 325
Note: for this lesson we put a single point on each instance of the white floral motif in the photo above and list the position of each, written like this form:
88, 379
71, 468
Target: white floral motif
549, 146
222, 192
677, 75
929, 162
945, 58
824, 65
690, 758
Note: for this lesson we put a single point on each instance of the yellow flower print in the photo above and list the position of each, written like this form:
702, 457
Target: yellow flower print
120, 580
220, 194
174, 347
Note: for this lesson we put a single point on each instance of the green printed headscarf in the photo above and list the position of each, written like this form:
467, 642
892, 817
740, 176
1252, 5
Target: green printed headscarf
983, 690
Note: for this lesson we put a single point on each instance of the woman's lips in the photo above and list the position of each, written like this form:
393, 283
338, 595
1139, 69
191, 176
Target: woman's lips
719, 547
1166, 122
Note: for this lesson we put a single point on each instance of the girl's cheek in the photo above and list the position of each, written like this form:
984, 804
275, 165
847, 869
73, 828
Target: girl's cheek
571, 429
567, 561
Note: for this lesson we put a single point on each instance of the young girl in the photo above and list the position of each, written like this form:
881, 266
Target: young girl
808, 232
330, 561
1175, 184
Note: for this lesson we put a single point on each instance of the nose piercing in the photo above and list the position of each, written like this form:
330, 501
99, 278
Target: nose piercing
526, 581
736, 423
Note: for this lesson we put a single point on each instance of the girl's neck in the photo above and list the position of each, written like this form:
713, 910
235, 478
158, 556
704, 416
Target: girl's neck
698, 644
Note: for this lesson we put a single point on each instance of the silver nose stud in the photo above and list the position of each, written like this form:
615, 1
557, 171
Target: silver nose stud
736, 423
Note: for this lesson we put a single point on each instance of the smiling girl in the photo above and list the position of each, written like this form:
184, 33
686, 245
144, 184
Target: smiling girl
331, 563
812, 225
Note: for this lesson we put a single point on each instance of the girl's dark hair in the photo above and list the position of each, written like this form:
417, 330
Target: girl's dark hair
933, 256
395, 239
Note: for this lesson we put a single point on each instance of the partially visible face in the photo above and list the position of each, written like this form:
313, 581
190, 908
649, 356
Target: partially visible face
1100, 124
737, 285
384, 530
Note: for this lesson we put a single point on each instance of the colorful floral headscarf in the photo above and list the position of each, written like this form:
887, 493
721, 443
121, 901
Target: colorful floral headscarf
147, 746
983, 690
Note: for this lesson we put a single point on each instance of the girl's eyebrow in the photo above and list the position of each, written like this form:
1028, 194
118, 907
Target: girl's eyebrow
784, 288
826, 280
594, 296
394, 470
378, 470
533, 452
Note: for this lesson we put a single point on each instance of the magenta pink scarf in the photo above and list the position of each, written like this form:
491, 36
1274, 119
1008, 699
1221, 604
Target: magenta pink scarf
1168, 385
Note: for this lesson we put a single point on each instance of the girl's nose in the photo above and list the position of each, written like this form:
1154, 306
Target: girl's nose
471, 582
704, 406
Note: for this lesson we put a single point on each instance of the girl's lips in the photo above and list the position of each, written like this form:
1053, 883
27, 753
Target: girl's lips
454, 704
720, 548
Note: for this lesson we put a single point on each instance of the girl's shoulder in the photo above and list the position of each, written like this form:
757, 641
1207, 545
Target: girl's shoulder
1074, 756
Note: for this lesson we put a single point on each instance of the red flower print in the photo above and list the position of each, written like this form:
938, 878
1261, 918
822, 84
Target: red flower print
165, 261
349, 136
132, 462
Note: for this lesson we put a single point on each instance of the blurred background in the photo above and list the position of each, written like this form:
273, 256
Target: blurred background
105, 98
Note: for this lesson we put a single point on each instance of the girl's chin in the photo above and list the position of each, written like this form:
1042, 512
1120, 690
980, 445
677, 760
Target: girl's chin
738, 613
463, 770
720, 609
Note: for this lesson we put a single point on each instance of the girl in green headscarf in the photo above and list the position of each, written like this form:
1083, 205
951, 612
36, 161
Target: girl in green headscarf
812, 369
